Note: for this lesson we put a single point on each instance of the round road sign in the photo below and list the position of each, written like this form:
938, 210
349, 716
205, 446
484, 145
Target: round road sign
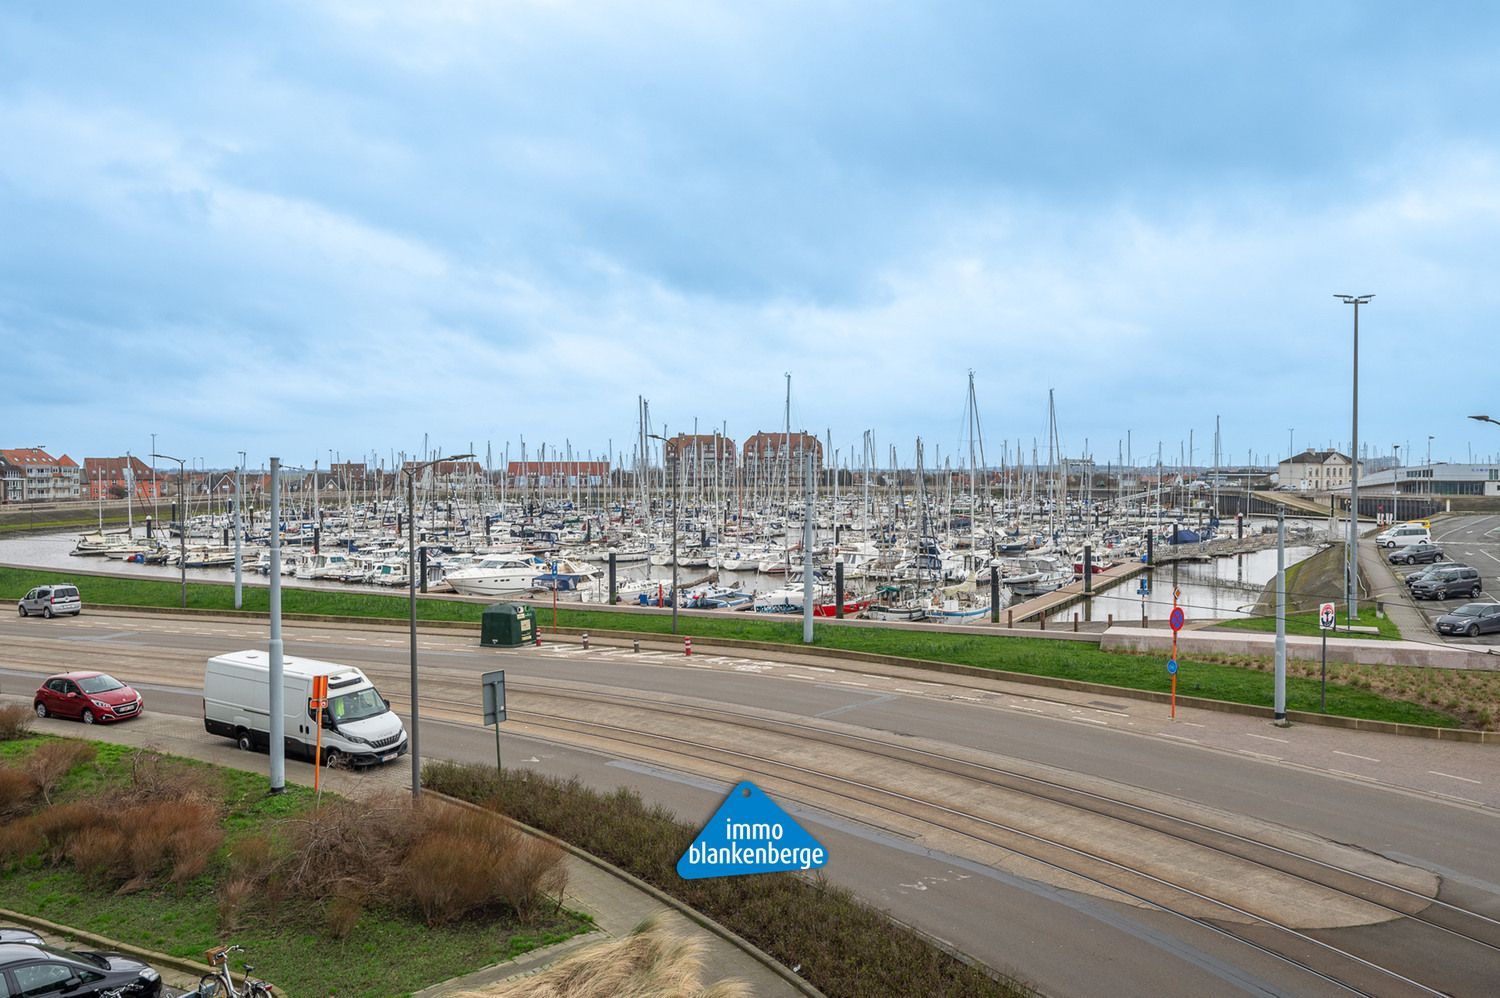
1171, 667
1176, 618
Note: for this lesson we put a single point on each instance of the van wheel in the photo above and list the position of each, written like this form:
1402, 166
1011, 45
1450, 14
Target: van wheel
47, 612
20, 609
334, 759
1474, 593
242, 740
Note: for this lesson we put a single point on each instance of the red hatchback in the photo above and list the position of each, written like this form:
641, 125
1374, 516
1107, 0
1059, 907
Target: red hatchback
88, 696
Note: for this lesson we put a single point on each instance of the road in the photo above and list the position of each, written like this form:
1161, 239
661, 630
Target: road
1473, 541
1054, 835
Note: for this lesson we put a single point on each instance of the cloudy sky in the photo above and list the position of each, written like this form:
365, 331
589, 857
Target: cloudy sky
302, 227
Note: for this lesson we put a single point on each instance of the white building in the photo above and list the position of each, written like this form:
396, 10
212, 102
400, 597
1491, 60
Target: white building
1437, 480
1317, 471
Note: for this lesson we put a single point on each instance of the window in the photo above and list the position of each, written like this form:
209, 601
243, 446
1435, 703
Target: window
41, 979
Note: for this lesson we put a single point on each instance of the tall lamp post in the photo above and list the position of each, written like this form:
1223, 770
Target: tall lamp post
672, 468
181, 519
1353, 579
411, 586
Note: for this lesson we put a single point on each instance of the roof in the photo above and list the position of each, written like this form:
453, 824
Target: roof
1311, 456
291, 666
31, 456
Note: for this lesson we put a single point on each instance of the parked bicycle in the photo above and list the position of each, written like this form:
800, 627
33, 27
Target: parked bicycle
220, 984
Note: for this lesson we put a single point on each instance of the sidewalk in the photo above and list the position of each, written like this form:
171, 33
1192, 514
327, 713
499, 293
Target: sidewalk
616, 905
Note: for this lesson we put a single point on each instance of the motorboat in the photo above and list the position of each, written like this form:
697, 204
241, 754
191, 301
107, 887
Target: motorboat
495, 574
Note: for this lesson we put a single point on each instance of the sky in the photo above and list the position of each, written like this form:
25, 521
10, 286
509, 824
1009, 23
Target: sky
322, 229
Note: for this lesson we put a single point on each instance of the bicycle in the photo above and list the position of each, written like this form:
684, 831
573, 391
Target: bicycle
220, 984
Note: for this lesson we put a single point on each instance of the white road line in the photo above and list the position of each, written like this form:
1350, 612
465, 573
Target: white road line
923, 682
1191, 724
1267, 738
970, 699
1489, 556
793, 675
1259, 755
1016, 706
870, 675
913, 692
1353, 776
1091, 720
1182, 738
850, 682
1352, 755
1452, 777
814, 668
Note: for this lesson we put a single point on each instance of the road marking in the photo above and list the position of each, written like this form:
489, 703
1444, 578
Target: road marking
1091, 720
970, 699
913, 692
1191, 724
1016, 706
923, 682
1259, 755
1452, 777
850, 682
1354, 756
1182, 738
793, 675
814, 668
1268, 738
1490, 556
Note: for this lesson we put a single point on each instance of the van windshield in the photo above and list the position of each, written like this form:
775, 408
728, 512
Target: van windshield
356, 706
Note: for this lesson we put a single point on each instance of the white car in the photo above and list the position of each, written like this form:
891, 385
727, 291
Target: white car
49, 601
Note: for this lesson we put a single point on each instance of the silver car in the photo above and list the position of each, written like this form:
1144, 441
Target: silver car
49, 601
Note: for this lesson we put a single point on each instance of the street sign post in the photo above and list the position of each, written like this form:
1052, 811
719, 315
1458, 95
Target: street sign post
1327, 614
1176, 620
493, 687
319, 704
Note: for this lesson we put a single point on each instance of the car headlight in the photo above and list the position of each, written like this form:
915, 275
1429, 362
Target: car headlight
101, 704
357, 738
149, 975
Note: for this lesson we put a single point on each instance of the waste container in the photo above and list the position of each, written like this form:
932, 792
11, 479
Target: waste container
507, 625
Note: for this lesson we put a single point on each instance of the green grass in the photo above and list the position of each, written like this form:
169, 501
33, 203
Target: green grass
1057, 658
76, 523
1306, 624
386, 954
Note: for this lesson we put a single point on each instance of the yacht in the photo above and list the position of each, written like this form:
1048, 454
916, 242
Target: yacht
507, 573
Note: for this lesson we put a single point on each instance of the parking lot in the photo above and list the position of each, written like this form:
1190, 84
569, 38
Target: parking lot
1472, 540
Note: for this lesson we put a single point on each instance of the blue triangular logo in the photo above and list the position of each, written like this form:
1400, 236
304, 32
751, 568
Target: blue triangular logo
750, 834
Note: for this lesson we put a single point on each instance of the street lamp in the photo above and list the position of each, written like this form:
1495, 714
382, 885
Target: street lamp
1486, 419
181, 520
411, 585
1353, 581
673, 486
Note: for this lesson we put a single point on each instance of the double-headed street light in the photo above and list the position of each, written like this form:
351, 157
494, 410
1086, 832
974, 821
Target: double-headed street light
181, 519
411, 579
1353, 559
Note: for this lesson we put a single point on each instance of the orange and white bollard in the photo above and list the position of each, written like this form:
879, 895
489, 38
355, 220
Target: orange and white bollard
538, 637
687, 646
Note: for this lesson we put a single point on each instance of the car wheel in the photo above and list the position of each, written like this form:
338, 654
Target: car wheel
20, 609
242, 740
1473, 631
1474, 593
1411, 560
88, 717
47, 612
41, 709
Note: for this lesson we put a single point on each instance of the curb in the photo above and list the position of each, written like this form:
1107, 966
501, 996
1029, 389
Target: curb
152, 957
692, 914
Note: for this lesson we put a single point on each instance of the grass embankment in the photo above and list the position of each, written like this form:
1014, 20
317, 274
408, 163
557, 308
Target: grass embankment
178, 856
1236, 679
1306, 625
842, 946
87, 523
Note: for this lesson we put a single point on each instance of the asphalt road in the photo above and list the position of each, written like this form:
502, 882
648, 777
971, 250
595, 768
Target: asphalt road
1387, 796
1473, 541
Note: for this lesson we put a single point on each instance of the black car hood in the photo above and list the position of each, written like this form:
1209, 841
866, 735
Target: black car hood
116, 961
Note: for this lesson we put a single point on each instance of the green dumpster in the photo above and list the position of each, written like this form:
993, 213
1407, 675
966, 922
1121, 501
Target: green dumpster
507, 625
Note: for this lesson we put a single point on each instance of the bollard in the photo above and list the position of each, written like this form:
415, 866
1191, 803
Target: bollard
635, 645
538, 632
1010, 618
1111, 621
585, 640
1075, 621
1042, 620
687, 646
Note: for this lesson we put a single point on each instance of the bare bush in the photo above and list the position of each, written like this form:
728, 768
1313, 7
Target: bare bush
342, 914
155, 778
51, 762
59, 823
144, 843
532, 872
251, 858
15, 721
18, 839
232, 895
17, 790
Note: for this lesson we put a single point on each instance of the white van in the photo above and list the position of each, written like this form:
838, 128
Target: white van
358, 725
1403, 534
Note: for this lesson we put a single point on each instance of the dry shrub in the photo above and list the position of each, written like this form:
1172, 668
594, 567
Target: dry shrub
648, 963
59, 823
342, 914
342, 846
52, 761
15, 722
144, 843
18, 839
232, 894
155, 778
16, 792
534, 871
97, 852
251, 858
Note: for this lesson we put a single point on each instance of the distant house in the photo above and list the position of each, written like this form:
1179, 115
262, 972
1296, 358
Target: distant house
115, 477
775, 457
30, 474
1317, 471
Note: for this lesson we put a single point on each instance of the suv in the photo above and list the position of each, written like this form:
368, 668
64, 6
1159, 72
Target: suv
51, 600
1448, 583
1413, 553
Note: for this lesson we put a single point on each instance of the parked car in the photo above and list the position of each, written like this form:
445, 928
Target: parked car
30, 969
1448, 583
49, 601
87, 696
12, 934
1414, 553
1412, 578
1403, 534
1471, 620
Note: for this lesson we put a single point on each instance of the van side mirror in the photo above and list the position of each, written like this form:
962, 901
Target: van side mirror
386, 702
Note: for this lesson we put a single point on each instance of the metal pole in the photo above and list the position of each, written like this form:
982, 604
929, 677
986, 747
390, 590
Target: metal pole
1280, 705
807, 552
1323, 692
277, 702
676, 497
239, 488
182, 529
411, 592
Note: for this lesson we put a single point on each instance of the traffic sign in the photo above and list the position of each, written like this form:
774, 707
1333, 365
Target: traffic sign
1171, 667
1143, 589
1326, 616
493, 687
1176, 593
1176, 618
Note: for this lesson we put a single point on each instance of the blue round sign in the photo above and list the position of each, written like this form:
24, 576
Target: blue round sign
1176, 618
1171, 667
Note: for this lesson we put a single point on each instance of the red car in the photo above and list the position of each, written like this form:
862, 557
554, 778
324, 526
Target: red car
88, 696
